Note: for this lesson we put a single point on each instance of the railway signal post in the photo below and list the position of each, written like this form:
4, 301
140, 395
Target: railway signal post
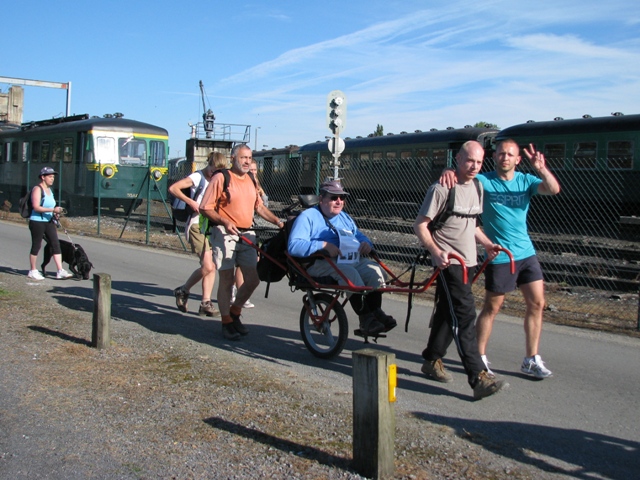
336, 121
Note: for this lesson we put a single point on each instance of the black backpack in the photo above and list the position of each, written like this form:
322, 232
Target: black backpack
276, 246
24, 204
441, 218
182, 211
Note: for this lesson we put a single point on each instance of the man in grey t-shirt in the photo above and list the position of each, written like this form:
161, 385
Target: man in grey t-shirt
455, 313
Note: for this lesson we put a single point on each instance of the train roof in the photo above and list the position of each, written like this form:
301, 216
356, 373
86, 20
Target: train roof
86, 123
275, 151
614, 123
432, 136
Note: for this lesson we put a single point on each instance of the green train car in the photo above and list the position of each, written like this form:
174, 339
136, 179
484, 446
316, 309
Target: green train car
596, 160
107, 162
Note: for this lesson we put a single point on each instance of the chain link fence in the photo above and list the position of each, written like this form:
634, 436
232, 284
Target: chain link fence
586, 237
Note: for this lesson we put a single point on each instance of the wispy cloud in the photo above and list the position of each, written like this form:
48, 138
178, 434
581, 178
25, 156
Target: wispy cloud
568, 44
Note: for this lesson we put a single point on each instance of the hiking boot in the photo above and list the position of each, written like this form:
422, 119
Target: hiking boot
35, 275
229, 332
238, 326
486, 364
487, 385
535, 366
63, 274
182, 296
369, 325
208, 308
387, 320
435, 369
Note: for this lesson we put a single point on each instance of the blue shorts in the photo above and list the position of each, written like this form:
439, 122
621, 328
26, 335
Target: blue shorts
498, 278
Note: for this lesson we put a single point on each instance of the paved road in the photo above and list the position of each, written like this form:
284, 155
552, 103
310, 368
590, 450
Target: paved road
584, 420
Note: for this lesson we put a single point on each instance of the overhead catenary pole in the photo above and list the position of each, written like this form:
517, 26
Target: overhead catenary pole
42, 83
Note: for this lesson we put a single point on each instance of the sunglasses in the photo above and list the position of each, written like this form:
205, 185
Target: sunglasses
336, 197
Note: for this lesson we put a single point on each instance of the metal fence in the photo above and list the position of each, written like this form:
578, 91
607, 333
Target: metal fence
585, 237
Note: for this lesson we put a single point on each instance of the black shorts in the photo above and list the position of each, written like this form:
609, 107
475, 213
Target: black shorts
498, 278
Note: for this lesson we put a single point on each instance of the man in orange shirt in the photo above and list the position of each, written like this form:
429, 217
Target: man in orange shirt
231, 214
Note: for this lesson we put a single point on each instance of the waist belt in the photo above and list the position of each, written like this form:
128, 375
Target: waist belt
242, 230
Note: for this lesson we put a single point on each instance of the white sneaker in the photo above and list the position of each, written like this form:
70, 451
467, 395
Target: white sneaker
248, 304
63, 274
486, 364
35, 275
535, 366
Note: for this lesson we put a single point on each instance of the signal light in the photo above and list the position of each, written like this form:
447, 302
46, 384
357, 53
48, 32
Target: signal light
336, 112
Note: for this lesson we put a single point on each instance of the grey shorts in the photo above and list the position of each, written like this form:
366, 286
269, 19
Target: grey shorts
498, 278
229, 252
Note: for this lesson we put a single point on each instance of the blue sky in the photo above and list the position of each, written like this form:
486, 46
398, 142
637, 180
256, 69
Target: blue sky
406, 64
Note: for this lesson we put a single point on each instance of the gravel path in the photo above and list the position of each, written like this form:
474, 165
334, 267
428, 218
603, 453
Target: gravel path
157, 405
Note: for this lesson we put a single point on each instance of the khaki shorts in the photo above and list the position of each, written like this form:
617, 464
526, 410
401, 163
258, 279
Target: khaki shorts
198, 241
228, 252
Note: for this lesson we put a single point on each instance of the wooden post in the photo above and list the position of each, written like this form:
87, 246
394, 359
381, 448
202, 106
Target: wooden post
374, 421
101, 335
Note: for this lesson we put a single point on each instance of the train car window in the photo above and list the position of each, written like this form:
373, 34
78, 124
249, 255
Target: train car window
554, 154
584, 155
87, 147
439, 159
391, 160
404, 155
56, 153
45, 151
306, 164
376, 164
421, 160
3, 152
132, 151
14, 152
364, 161
158, 157
620, 155
276, 164
105, 150
25, 151
67, 150
35, 151
345, 162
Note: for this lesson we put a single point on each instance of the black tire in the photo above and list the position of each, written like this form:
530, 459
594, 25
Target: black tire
323, 342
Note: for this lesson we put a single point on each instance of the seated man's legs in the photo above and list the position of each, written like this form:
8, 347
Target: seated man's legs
368, 306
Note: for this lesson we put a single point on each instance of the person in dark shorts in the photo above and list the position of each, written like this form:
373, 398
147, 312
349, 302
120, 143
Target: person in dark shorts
504, 218
455, 313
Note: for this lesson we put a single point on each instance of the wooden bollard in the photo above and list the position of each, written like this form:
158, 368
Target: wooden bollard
100, 334
374, 421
